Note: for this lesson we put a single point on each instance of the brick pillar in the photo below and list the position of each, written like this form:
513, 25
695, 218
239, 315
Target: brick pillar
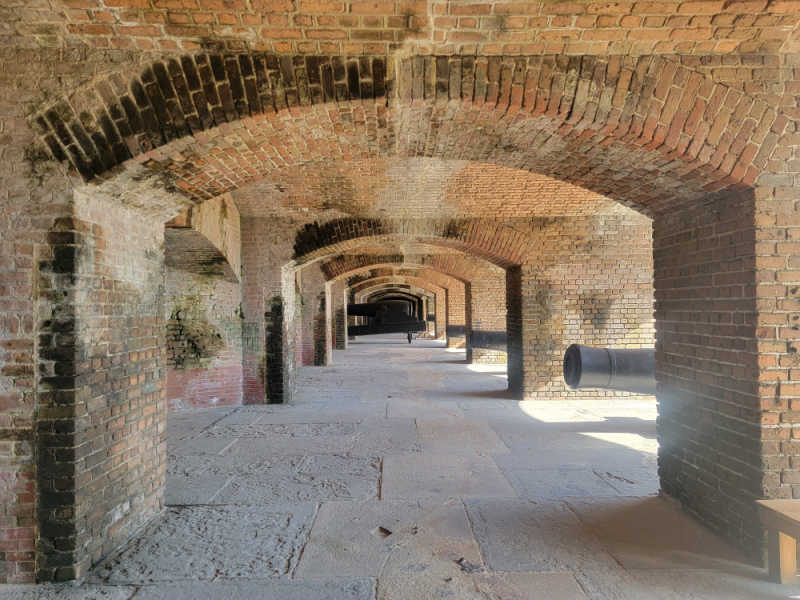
487, 309
32, 221
268, 308
440, 311
596, 292
514, 333
101, 421
339, 308
315, 321
724, 429
456, 319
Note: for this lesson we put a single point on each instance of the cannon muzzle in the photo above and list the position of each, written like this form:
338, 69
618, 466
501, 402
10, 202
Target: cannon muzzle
610, 368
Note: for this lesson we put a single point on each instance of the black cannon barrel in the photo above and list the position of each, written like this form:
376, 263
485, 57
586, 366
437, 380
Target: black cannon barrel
610, 368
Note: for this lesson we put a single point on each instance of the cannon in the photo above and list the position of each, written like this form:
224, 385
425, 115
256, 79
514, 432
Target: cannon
381, 328
610, 368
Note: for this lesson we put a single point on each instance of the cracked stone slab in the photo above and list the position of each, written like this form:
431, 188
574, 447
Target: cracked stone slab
549, 449
558, 483
309, 478
652, 533
641, 481
379, 436
267, 439
442, 476
452, 434
195, 479
546, 537
207, 542
346, 540
184, 425
333, 589
432, 556
67, 591
415, 408
529, 586
738, 583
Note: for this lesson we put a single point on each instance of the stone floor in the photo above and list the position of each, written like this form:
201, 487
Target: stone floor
401, 473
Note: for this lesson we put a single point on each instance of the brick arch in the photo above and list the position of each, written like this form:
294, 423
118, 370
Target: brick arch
415, 282
451, 313
458, 266
645, 131
491, 241
419, 275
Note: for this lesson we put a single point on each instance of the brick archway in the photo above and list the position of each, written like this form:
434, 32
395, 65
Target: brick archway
645, 131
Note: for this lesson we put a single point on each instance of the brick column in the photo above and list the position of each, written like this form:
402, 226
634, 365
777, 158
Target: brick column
315, 321
456, 329
268, 310
339, 308
487, 309
101, 421
722, 313
595, 291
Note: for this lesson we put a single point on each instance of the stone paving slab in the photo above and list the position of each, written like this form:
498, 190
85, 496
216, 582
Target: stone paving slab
529, 586
204, 543
308, 478
558, 483
652, 533
378, 436
332, 589
741, 583
442, 476
196, 478
418, 408
547, 537
353, 539
266, 439
66, 592
432, 557
270, 479
453, 434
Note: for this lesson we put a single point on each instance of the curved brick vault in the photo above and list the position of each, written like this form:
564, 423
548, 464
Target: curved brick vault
645, 131
377, 132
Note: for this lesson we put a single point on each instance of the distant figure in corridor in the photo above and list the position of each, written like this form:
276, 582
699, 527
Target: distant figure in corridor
409, 337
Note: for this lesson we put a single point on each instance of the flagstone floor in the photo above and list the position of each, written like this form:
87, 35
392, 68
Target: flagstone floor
402, 473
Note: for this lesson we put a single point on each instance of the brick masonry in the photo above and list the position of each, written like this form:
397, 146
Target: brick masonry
204, 340
588, 282
485, 128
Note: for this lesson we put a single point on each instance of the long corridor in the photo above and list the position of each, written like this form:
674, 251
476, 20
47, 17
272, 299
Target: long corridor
402, 473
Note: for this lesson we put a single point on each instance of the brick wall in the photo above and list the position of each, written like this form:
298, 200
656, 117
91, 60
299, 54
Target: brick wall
102, 450
339, 311
486, 342
268, 307
588, 281
707, 361
204, 340
27, 220
456, 316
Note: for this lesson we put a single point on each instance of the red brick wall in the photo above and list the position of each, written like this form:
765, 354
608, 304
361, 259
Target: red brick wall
456, 316
27, 222
487, 327
588, 281
313, 318
101, 465
707, 298
339, 312
204, 340
777, 257
268, 306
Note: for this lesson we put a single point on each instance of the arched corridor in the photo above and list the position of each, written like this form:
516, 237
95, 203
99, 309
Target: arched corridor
211, 208
402, 472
